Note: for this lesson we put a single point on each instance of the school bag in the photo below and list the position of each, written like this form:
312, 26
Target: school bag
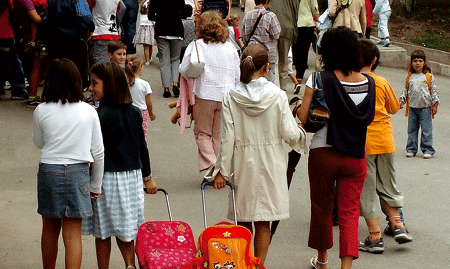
165, 244
219, 5
224, 245
428, 75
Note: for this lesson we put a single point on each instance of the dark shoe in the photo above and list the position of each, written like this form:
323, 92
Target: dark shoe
388, 230
33, 102
176, 91
375, 247
167, 94
19, 94
401, 235
297, 88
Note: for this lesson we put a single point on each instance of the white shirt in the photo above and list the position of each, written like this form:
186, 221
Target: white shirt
70, 134
138, 91
104, 14
221, 71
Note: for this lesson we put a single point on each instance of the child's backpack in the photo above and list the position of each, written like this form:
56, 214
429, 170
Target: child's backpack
224, 245
219, 5
428, 75
164, 244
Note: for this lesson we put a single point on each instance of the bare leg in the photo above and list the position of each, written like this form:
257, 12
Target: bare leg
262, 239
103, 249
127, 250
71, 231
346, 262
51, 228
374, 228
35, 76
322, 258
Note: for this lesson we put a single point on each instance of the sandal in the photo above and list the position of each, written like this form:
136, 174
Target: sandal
297, 88
131, 267
315, 262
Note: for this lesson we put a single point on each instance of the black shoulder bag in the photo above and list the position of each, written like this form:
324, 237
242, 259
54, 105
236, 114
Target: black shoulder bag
253, 31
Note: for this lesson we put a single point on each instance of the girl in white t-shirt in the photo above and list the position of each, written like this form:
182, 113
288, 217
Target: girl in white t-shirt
145, 34
140, 89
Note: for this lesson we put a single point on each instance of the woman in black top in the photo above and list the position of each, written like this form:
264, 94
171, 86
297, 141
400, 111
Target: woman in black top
336, 155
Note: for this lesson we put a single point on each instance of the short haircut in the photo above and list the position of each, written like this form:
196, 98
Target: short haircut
189, 10
115, 84
114, 45
232, 16
253, 58
339, 50
368, 51
211, 27
63, 83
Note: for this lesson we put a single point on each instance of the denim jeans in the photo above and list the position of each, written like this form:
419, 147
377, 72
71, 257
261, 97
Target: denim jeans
420, 118
11, 67
129, 24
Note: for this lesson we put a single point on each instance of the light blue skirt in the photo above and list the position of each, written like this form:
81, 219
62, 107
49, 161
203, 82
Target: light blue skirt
120, 209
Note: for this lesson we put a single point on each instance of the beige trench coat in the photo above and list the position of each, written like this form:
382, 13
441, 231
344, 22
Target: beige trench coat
252, 155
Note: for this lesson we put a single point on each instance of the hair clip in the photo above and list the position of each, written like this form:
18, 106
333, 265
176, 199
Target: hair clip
130, 64
251, 58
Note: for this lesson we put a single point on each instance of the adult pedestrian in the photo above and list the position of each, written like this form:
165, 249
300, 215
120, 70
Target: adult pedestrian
129, 24
287, 14
336, 154
220, 74
68, 25
307, 15
383, 9
11, 68
267, 32
352, 15
169, 34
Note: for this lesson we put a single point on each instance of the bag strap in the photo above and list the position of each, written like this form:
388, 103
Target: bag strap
196, 49
254, 27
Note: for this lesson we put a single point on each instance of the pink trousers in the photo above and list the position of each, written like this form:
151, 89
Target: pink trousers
207, 116
327, 167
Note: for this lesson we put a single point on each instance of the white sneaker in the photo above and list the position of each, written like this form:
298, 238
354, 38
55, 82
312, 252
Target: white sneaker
410, 154
427, 156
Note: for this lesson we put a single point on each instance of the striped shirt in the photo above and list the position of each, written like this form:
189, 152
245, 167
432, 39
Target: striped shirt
267, 33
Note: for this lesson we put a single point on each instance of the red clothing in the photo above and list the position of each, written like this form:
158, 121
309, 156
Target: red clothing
237, 34
327, 166
369, 14
6, 27
107, 37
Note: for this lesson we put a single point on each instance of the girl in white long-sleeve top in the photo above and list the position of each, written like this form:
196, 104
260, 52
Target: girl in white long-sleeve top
67, 130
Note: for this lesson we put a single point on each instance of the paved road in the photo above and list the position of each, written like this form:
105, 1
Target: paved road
425, 184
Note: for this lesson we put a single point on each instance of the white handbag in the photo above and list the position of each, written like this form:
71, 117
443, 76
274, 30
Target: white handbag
196, 63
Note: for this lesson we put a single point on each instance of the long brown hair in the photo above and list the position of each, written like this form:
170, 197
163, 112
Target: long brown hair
115, 84
63, 82
254, 57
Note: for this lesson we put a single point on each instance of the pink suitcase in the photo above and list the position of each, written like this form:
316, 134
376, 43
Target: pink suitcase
165, 244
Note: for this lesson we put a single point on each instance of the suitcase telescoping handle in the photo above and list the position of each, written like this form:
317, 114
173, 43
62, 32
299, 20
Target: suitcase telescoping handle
202, 187
167, 202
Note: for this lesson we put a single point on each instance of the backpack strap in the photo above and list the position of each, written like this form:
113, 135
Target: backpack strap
254, 27
407, 94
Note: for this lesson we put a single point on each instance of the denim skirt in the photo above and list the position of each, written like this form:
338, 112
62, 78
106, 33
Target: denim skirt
63, 190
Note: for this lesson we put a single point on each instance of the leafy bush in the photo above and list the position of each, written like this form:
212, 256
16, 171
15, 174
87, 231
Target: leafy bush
432, 41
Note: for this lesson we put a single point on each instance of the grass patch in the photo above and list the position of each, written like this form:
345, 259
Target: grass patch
432, 41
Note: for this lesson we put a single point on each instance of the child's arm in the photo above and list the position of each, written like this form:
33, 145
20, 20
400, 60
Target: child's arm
239, 42
434, 96
148, 101
150, 186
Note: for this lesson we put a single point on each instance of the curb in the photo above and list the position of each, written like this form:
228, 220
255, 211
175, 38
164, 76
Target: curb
397, 56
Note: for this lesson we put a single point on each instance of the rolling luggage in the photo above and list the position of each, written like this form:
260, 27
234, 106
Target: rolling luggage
224, 245
165, 244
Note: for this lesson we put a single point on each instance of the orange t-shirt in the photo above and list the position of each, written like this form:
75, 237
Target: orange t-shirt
380, 134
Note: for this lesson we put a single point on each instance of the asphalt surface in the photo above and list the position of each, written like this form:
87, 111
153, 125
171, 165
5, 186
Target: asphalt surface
425, 184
